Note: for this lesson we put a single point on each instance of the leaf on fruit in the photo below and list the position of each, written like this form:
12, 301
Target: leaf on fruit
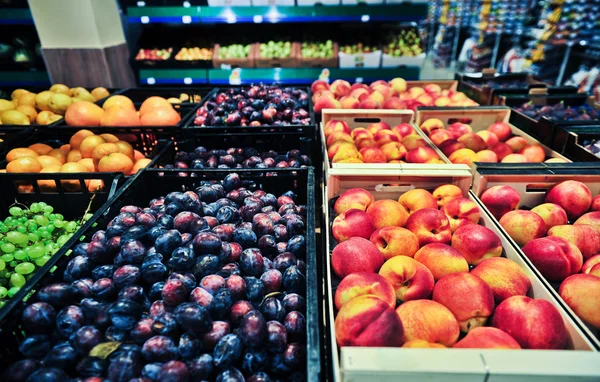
104, 349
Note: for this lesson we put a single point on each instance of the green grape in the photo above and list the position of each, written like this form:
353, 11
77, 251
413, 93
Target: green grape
13, 291
7, 257
42, 260
62, 239
2, 265
16, 237
3, 292
32, 226
41, 220
2, 303
42, 205
15, 211
9, 220
17, 280
48, 209
59, 223
50, 228
13, 263
59, 217
25, 268
35, 208
22, 219
7, 248
36, 253
3, 228
45, 234
33, 237
48, 248
71, 227
21, 229
21, 255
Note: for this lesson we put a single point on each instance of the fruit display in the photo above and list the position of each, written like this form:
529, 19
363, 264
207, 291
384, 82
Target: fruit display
559, 232
247, 157
206, 284
45, 107
426, 271
517, 84
28, 239
119, 110
463, 145
194, 54
154, 54
560, 112
358, 48
317, 49
264, 105
275, 49
404, 43
377, 143
85, 152
234, 51
394, 94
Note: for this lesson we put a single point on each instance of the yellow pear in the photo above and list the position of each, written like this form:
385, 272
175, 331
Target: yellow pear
27, 99
14, 117
6, 105
86, 96
42, 99
54, 117
75, 99
174, 100
59, 103
18, 93
29, 111
99, 93
60, 88
43, 117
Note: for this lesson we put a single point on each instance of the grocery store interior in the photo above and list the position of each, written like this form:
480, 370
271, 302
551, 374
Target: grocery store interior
299, 190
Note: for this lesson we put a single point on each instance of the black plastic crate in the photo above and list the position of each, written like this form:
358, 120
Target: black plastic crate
476, 85
571, 141
151, 183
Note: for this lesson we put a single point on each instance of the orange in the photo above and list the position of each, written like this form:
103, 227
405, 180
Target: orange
83, 113
41, 148
29, 111
103, 150
161, 116
72, 185
78, 137
88, 163
140, 165
20, 152
95, 185
74, 156
89, 144
58, 154
48, 184
115, 162
24, 164
66, 148
137, 155
125, 148
48, 161
110, 138
118, 100
120, 116
153, 103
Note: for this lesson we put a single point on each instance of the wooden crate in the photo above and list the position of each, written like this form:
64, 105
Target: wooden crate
287, 62
331, 62
247, 62
579, 363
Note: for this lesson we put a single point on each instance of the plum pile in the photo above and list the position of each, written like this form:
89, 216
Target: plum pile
247, 157
560, 112
517, 84
264, 105
200, 285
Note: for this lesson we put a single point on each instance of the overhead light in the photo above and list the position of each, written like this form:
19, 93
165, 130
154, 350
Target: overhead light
145, 19
186, 19
187, 81
258, 19
141, 3
151, 81
365, 18
186, 4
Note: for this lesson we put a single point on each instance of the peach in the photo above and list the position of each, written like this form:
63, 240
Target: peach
553, 214
340, 146
395, 241
378, 97
534, 153
500, 199
335, 125
433, 88
394, 103
355, 255
430, 226
319, 85
425, 99
459, 128
383, 88
398, 85
352, 223
368, 321
595, 203
340, 88
422, 344
582, 294
591, 218
372, 155
376, 127
393, 151
554, 257
439, 136
345, 155
442, 101
502, 130
523, 226
488, 137
463, 156
431, 124
417, 199
502, 150
514, 158
410, 279
584, 236
467, 296
575, 197
487, 338
358, 92
349, 103
360, 132
592, 266
354, 198
339, 136
413, 141
350, 160
421, 155
364, 142
359, 85
429, 321
360, 284
459, 97
449, 146
387, 213
472, 141
403, 129
325, 102
385, 136
445, 193
556, 160
533, 323
504, 276
441, 260
486, 156
460, 212
517, 143
476, 243
368, 103
416, 91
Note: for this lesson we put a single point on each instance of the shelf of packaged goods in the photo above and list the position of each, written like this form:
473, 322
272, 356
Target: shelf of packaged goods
24, 78
244, 76
277, 14
15, 16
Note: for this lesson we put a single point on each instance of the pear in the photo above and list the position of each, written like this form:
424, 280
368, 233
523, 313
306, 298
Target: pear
29, 111
60, 88
18, 93
43, 117
42, 99
6, 105
100, 93
14, 117
75, 91
54, 117
59, 103
26, 99
86, 96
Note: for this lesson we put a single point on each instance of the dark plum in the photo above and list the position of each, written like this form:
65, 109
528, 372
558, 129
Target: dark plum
262, 224
238, 310
261, 376
126, 275
301, 266
297, 246
294, 224
220, 305
295, 325
212, 283
207, 243
20, 370
236, 251
205, 265
48, 375
189, 346
166, 243
165, 324
230, 375
187, 278
39, 317
228, 214
142, 331
102, 319
254, 361
117, 229
183, 221
153, 272
80, 249
272, 280
236, 285
125, 366
103, 271
174, 292
267, 245
211, 221
293, 280
154, 233
287, 208
187, 237
182, 259
281, 233
137, 232
253, 329
146, 219
91, 307
133, 252
227, 351
224, 231
130, 209
277, 336
133, 293
268, 264
104, 289
201, 297
173, 371
201, 368
150, 371
269, 162
255, 290
69, 320
282, 247
277, 366
273, 310
219, 330
113, 334
100, 236
173, 208
158, 307
294, 356
85, 339
193, 318
98, 252
124, 314
248, 211
165, 221
159, 349
61, 356
251, 262
275, 216
283, 261
79, 267
207, 193
35, 346
294, 301
91, 367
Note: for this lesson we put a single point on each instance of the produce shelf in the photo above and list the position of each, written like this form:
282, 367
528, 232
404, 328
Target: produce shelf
16, 16
276, 14
24, 78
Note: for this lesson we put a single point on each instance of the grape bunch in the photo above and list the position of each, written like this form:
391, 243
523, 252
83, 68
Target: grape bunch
28, 238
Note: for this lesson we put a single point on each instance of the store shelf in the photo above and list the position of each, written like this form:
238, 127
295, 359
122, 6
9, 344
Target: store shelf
24, 78
15, 16
276, 14
280, 75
